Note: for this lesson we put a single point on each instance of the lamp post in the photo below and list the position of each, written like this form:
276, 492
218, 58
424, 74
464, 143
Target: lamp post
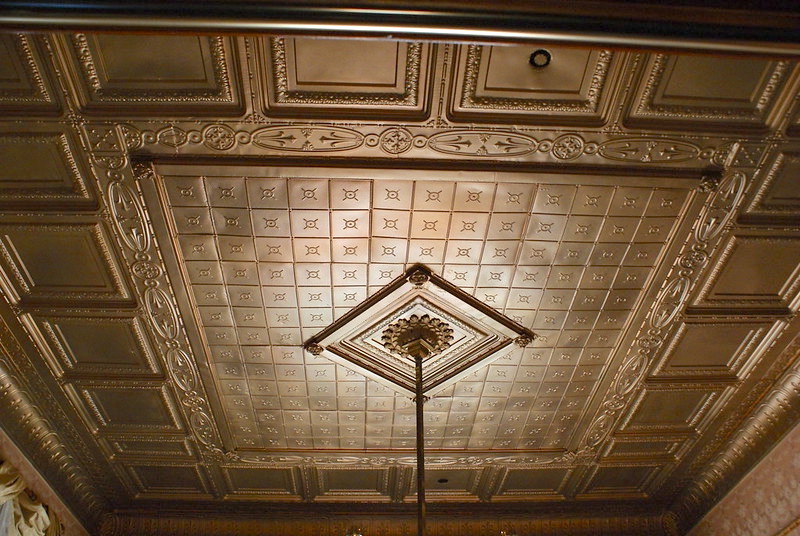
419, 399
418, 337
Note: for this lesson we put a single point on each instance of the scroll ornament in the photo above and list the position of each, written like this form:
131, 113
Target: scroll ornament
21, 514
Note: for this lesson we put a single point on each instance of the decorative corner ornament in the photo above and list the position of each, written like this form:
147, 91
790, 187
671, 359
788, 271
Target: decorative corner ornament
522, 341
418, 278
583, 456
314, 349
218, 455
709, 182
143, 171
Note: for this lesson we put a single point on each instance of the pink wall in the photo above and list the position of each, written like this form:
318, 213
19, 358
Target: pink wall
767, 500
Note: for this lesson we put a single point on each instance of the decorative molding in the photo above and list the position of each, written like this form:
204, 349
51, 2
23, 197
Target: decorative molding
652, 151
484, 143
385, 459
777, 412
304, 139
135, 238
160, 307
130, 447
419, 142
436, 334
770, 492
391, 525
368, 339
32, 93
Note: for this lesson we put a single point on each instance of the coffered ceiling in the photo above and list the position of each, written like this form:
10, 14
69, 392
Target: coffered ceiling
182, 213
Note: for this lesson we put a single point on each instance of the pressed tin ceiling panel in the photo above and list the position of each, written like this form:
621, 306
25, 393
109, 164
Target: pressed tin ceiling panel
672, 93
496, 83
262, 287
24, 86
368, 77
176, 242
196, 74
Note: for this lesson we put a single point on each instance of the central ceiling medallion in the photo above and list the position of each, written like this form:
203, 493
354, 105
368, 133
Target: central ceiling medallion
419, 314
417, 336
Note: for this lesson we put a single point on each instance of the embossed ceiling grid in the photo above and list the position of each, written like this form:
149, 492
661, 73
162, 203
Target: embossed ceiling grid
174, 226
272, 261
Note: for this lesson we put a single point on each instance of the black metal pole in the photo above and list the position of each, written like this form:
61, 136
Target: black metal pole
420, 400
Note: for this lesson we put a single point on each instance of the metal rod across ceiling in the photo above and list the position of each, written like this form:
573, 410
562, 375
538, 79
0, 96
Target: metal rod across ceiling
773, 32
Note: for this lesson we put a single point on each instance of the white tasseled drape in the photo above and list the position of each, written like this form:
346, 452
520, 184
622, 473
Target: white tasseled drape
19, 514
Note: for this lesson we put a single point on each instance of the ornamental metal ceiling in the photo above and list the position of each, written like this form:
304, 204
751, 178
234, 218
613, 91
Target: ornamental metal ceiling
183, 217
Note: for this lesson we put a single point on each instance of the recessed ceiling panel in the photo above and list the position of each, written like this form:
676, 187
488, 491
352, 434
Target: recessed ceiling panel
498, 83
63, 260
277, 484
621, 481
40, 168
164, 480
85, 345
517, 484
369, 78
679, 409
131, 408
707, 93
721, 349
190, 73
757, 270
24, 79
779, 192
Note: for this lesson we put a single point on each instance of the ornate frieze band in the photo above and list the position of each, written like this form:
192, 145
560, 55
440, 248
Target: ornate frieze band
420, 142
131, 222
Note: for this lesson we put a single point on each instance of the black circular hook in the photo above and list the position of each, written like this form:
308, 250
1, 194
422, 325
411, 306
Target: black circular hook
540, 58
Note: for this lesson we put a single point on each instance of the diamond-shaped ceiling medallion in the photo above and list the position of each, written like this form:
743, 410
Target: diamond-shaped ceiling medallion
419, 312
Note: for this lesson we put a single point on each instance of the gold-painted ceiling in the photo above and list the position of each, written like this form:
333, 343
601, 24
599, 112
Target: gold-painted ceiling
180, 213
